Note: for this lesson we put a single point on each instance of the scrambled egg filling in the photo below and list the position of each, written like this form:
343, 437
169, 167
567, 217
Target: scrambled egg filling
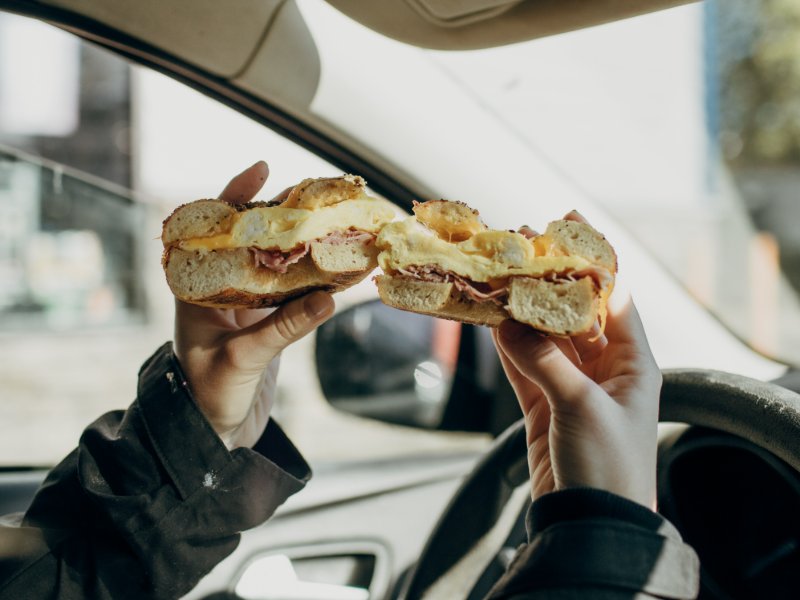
485, 256
280, 228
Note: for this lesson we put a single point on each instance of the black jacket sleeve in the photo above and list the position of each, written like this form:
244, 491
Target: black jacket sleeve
148, 503
587, 543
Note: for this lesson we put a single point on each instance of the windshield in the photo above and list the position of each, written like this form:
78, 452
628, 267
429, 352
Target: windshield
682, 125
693, 145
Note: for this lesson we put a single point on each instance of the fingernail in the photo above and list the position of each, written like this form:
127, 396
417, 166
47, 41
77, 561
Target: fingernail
317, 304
259, 164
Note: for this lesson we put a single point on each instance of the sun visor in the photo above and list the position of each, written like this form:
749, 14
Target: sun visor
454, 13
286, 67
472, 24
263, 46
218, 36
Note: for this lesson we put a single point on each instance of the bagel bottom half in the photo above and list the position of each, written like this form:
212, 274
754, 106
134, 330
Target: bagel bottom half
556, 307
230, 278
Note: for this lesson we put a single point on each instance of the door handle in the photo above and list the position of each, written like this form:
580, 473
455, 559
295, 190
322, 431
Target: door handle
273, 577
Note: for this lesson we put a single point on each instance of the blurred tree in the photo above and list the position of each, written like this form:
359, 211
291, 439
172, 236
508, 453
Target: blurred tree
758, 60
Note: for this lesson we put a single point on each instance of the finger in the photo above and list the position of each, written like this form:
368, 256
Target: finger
588, 345
541, 361
625, 329
567, 348
531, 399
525, 389
258, 344
246, 184
527, 232
192, 314
574, 215
282, 196
624, 325
187, 314
245, 317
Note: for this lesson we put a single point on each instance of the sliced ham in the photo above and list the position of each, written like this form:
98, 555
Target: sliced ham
471, 290
279, 261
483, 292
475, 291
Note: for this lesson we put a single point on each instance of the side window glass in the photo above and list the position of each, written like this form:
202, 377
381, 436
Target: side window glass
69, 246
68, 250
85, 183
94, 153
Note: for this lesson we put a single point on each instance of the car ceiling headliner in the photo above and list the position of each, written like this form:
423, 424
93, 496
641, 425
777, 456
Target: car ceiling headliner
223, 37
472, 24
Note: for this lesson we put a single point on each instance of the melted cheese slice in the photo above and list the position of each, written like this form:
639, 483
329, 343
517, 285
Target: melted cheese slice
485, 256
278, 228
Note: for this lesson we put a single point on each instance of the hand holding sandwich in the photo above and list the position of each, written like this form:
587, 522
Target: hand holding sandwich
590, 412
230, 356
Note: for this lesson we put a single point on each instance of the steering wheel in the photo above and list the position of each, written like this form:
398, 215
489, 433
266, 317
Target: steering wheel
765, 414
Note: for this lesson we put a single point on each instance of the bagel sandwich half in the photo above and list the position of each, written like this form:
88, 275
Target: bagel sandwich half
321, 236
445, 262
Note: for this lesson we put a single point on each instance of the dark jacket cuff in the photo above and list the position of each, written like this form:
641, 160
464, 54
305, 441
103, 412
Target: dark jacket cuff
591, 540
587, 503
189, 448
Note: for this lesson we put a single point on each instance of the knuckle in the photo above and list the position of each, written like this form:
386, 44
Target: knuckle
544, 353
284, 327
290, 324
230, 354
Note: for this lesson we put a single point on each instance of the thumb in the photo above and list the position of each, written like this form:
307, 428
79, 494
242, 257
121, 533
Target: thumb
246, 184
259, 343
540, 360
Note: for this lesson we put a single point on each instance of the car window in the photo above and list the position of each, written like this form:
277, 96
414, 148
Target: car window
94, 153
630, 123
694, 146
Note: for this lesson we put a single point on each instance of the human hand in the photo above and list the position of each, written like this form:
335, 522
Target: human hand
591, 408
230, 356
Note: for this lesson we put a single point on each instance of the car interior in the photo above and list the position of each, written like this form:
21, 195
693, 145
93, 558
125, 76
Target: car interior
408, 422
